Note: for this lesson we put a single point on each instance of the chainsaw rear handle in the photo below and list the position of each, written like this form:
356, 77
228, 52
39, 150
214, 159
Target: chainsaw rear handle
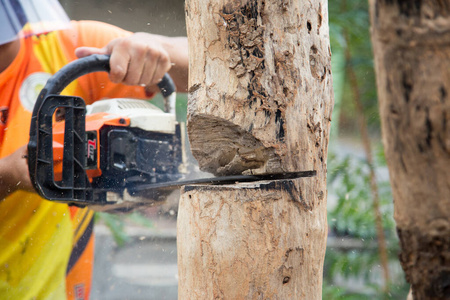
75, 184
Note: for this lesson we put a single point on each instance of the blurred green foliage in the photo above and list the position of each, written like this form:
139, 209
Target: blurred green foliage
354, 273
117, 224
349, 30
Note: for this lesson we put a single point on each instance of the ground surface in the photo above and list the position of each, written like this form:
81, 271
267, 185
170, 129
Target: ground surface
145, 268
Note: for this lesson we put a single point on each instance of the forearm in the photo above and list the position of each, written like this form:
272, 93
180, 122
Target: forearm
8, 182
14, 173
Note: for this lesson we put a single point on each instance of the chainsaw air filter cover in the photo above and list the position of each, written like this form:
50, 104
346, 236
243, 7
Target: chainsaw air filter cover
142, 114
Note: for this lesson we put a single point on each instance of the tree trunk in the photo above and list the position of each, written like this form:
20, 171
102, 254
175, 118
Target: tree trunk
250, 241
411, 41
260, 101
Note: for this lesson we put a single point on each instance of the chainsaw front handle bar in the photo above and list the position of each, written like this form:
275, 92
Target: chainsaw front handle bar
89, 64
41, 123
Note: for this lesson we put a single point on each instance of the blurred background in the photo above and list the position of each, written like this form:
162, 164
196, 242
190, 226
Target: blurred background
136, 253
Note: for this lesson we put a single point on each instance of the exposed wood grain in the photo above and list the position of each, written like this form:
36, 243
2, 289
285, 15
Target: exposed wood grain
250, 241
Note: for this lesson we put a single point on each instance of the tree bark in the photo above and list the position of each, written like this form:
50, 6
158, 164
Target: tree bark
411, 41
250, 241
260, 101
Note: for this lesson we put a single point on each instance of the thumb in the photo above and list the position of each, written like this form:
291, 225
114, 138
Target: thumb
86, 51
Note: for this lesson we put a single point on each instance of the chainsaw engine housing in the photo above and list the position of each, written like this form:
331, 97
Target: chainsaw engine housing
128, 142
79, 155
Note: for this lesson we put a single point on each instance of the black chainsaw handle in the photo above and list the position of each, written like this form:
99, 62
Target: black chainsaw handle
90, 64
82, 66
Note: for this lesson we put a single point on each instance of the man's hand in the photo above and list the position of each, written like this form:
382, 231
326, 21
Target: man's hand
135, 60
14, 173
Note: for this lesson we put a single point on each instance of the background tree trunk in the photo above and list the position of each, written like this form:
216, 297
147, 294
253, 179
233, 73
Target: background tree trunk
411, 41
260, 101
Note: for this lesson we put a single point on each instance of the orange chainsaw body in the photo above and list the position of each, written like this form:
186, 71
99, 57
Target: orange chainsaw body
94, 123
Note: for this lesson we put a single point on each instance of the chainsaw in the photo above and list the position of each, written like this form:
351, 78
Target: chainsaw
114, 151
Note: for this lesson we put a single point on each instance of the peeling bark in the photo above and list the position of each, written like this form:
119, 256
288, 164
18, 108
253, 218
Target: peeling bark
412, 57
260, 66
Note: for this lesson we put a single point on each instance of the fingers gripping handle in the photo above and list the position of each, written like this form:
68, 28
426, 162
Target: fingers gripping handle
91, 64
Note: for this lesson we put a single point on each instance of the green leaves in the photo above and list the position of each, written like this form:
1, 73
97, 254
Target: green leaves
117, 223
352, 213
349, 31
352, 223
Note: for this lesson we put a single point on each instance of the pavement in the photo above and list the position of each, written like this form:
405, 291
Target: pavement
145, 268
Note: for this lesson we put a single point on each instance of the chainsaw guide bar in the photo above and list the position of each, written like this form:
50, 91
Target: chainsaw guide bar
222, 180
144, 195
